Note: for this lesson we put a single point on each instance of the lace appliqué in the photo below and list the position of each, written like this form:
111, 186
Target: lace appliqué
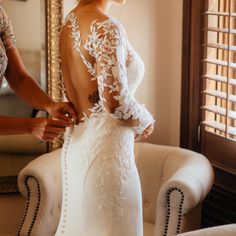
107, 44
3, 65
114, 173
8, 41
6, 30
75, 34
115, 166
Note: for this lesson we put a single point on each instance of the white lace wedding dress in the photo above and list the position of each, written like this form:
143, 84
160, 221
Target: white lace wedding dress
101, 186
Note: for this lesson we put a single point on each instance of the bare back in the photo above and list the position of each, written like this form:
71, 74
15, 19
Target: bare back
81, 89
101, 71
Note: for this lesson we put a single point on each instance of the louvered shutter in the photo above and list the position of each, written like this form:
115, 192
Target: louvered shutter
218, 104
219, 89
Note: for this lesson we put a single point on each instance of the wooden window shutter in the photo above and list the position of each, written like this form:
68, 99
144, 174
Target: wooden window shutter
218, 103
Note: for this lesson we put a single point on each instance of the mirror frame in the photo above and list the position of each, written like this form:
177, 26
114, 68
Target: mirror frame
54, 14
54, 17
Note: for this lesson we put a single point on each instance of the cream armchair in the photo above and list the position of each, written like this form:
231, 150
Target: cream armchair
16, 151
174, 183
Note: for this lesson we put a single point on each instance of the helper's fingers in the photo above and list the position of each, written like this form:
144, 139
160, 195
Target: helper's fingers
71, 111
60, 123
65, 118
56, 130
48, 137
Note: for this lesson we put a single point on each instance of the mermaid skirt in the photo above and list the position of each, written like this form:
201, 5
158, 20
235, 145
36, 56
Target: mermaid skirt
100, 182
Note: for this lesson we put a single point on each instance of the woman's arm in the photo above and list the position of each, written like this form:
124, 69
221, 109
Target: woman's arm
43, 128
25, 87
22, 83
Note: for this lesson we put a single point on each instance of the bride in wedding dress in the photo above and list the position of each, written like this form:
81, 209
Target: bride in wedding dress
101, 72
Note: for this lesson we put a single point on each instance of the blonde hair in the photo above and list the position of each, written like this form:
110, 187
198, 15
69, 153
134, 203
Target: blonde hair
84, 1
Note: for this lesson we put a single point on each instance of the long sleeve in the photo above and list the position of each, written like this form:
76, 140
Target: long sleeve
115, 95
6, 30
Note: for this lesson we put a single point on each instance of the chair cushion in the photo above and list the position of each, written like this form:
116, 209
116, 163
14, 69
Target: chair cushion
148, 229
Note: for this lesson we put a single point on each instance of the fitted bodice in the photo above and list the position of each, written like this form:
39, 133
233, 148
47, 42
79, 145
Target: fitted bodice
116, 67
7, 41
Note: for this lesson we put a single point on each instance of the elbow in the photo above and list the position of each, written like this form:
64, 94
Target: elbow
121, 118
110, 110
111, 106
17, 82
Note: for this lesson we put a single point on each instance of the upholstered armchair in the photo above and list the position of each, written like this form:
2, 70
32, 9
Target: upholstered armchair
174, 182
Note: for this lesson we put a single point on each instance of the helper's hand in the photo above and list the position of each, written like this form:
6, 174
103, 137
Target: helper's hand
48, 129
148, 131
62, 111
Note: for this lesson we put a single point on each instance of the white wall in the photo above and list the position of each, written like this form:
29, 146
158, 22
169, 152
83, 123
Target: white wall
154, 27
26, 21
69, 5
29, 23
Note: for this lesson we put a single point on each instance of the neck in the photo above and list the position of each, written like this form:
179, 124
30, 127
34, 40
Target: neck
101, 5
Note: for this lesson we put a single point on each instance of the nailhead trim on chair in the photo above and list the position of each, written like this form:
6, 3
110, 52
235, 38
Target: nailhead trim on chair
27, 206
169, 212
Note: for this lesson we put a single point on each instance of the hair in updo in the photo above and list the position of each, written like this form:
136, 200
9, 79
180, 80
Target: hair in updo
84, 1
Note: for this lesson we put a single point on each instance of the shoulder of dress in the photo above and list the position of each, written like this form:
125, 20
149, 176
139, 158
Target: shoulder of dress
4, 19
2, 12
108, 26
116, 22
69, 17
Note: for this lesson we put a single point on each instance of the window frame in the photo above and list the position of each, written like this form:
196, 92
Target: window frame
191, 72
192, 134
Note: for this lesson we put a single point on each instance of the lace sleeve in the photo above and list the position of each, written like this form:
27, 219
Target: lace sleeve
109, 51
6, 30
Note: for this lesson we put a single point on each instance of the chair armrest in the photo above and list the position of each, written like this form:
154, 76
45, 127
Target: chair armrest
40, 183
181, 190
21, 144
